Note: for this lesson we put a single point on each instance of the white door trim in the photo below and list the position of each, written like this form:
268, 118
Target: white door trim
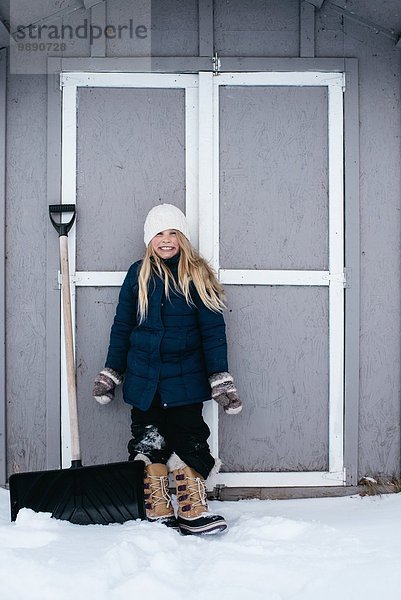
127, 80
68, 196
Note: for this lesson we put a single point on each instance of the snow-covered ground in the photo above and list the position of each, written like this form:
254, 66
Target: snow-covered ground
331, 548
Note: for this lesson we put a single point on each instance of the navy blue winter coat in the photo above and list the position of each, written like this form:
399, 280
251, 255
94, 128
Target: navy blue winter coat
173, 351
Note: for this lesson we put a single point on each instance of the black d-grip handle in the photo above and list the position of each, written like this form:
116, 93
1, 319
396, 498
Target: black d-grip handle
62, 228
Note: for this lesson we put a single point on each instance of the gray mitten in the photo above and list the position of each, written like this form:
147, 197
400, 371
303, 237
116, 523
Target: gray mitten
105, 384
225, 393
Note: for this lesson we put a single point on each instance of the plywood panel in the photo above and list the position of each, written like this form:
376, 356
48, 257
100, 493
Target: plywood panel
104, 430
131, 156
257, 28
125, 17
273, 178
26, 215
172, 28
278, 341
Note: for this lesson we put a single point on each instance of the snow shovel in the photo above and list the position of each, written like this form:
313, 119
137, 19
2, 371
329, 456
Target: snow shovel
100, 494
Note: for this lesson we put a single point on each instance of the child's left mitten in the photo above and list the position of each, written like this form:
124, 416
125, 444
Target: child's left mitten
225, 393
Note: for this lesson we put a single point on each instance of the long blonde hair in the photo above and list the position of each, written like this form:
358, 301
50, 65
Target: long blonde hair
191, 268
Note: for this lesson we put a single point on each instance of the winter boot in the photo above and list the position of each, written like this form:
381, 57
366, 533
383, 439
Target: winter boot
193, 515
157, 497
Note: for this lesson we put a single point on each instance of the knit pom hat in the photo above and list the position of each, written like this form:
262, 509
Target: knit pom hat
162, 217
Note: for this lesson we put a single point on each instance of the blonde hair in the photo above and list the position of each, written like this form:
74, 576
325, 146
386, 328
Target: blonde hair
191, 268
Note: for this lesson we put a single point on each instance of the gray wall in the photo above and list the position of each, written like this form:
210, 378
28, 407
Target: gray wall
256, 28
380, 193
26, 220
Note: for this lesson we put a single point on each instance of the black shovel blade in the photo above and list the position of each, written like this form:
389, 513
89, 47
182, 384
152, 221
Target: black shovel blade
100, 494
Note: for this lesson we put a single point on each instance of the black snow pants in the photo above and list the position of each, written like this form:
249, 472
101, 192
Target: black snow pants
158, 432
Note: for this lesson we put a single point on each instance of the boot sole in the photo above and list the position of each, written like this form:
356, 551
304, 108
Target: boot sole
169, 522
210, 529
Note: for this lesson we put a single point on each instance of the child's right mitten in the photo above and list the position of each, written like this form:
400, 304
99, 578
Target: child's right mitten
105, 385
225, 393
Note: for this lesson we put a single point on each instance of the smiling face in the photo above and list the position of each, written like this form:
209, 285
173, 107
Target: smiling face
165, 243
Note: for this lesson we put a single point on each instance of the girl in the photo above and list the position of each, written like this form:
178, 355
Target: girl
168, 337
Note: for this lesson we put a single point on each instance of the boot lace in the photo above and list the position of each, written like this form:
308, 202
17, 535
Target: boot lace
159, 493
196, 491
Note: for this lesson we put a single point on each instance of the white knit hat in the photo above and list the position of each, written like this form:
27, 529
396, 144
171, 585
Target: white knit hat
162, 217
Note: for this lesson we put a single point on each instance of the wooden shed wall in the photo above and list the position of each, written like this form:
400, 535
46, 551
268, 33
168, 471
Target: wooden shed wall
258, 28
380, 193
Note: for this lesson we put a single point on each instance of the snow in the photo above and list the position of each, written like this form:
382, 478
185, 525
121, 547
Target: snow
274, 550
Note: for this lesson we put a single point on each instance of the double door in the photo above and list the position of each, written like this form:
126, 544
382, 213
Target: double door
255, 160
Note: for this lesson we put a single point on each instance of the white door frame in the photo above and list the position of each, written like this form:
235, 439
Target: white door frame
333, 278
202, 209
69, 83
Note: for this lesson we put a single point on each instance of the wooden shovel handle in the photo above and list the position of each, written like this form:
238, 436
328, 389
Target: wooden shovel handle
69, 349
